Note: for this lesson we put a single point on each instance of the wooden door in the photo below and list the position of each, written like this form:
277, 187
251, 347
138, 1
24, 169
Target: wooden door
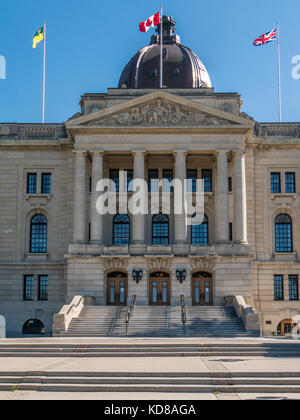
159, 290
202, 291
117, 290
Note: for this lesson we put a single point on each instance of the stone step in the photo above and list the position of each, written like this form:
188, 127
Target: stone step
145, 384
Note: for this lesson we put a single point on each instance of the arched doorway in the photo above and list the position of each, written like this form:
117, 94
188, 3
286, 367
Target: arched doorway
285, 327
33, 327
202, 289
159, 289
117, 289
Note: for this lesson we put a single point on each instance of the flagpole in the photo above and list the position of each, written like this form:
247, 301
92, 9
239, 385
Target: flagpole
279, 75
44, 75
161, 47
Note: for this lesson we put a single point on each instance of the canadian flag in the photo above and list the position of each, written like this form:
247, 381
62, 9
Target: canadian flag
150, 23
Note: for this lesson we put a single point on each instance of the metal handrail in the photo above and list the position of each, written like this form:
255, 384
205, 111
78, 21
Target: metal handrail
183, 312
129, 313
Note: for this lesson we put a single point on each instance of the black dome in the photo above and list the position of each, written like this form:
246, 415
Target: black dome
182, 68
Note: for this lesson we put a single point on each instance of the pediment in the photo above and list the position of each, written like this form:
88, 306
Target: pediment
159, 109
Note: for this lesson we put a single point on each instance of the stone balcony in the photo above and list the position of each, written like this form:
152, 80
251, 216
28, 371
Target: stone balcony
32, 131
277, 130
174, 250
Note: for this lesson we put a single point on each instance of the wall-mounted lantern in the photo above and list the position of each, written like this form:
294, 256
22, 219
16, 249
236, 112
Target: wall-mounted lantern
137, 275
181, 275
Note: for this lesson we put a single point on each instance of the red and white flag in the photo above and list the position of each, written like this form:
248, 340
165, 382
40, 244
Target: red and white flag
150, 23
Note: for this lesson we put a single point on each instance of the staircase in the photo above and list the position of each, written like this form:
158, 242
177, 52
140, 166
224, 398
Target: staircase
179, 382
98, 321
157, 321
215, 321
146, 347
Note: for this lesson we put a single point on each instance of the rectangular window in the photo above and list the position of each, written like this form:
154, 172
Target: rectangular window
290, 183
153, 180
275, 183
90, 184
230, 184
278, 288
207, 177
167, 179
129, 173
43, 287
46, 183
28, 288
31, 183
192, 180
293, 287
230, 232
114, 175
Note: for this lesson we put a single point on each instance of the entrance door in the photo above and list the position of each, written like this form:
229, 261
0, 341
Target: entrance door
160, 289
202, 289
285, 327
117, 289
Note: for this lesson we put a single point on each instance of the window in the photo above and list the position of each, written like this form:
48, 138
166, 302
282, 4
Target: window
160, 229
278, 287
28, 288
121, 230
114, 175
200, 233
46, 183
283, 233
129, 179
38, 234
207, 177
43, 287
153, 180
230, 184
192, 180
167, 179
275, 183
230, 232
293, 287
290, 183
31, 183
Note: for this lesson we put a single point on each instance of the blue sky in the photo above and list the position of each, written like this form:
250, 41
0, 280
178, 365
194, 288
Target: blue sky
89, 42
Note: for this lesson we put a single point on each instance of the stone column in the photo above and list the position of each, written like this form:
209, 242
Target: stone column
96, 218
222, 206
138, 221
79, 220
180, 228
240, 203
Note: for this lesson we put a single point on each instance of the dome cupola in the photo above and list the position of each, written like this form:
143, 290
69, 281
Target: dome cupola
182, 68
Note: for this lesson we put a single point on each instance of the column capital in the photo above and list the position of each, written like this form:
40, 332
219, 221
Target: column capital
138, 152
80, 152
222, 152
239, 153
180, 152
97, 152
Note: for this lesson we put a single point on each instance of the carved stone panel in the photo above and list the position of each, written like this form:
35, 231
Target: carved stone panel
159, 113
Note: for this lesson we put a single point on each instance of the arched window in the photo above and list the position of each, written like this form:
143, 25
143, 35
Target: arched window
121, 230
200, 233
283, 233
160, 229
34, 327
38, 234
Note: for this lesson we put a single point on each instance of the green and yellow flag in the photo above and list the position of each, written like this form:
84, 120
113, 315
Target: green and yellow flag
38, 37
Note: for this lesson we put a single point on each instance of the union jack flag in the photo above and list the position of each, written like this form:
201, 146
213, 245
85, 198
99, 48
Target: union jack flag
266, 38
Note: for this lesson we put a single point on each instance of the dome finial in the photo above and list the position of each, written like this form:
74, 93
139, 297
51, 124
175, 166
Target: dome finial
168, 32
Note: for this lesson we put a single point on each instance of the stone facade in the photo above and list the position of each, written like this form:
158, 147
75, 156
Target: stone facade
141, 130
